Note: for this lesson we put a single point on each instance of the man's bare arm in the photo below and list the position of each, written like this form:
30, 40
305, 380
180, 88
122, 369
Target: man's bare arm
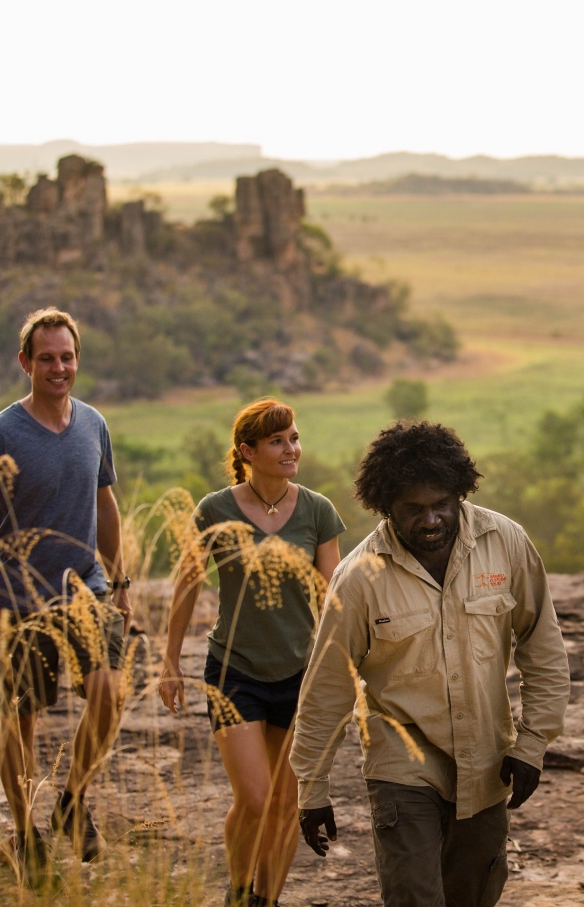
109, 544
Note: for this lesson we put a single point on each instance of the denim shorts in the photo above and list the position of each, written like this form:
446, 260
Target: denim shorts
274, 702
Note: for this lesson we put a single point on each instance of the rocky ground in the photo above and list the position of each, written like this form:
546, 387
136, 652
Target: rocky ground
165, 769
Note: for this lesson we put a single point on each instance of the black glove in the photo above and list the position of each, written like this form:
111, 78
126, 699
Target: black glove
525, 780
310, 822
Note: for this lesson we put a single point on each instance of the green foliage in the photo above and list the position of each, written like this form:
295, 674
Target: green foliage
146, 363
407, 399
221, 205
134, 461
13, 188
543, 488
430, 339
152, 200
206, 453
336, 483
250, 383
314, 234
367, 359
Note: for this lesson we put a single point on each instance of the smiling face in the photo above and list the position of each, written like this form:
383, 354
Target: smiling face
53, 365
426, 519
277, 455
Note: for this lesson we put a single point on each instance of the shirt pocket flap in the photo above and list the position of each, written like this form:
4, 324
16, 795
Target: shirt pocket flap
491, 605
400, 627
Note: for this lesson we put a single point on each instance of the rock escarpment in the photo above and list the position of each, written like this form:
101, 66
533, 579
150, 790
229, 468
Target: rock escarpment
64, 221
254, 297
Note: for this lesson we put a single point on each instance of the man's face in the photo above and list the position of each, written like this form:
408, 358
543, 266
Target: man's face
53, 364
426, 519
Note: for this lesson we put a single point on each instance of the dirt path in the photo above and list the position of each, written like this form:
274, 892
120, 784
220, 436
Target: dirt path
166, 769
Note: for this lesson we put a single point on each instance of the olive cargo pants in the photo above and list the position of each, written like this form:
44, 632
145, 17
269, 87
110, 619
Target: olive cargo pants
426, 857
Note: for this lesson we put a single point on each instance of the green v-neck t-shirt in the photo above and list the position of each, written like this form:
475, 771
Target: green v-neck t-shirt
270, 642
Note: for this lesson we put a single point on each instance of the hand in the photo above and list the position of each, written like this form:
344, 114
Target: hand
121, 600
171, 683
525, 780
310, 822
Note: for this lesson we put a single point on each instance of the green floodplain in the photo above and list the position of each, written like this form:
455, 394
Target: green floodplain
493, 410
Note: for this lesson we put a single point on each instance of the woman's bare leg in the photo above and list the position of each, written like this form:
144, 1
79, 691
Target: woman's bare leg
280, 837
245, 756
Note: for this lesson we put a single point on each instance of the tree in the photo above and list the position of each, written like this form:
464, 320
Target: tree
12, 187
407, 399
207, 454
220, 205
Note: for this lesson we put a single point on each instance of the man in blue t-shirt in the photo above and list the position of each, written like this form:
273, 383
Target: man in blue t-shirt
56, 509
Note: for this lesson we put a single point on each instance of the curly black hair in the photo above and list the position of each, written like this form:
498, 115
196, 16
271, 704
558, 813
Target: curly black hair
408, 453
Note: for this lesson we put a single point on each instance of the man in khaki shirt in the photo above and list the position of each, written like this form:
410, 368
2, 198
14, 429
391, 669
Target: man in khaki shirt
422, 614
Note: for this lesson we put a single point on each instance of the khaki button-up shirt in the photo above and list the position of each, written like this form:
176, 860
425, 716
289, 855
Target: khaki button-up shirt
435, 659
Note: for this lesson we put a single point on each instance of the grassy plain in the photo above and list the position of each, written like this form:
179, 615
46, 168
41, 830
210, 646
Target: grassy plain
492, 409
508, 271
497, 266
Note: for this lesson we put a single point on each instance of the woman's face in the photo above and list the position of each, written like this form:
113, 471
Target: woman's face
277, 455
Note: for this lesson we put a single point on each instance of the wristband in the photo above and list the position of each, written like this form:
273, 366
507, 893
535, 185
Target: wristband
120, 584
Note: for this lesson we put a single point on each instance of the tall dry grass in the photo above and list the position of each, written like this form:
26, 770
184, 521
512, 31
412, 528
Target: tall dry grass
157, 827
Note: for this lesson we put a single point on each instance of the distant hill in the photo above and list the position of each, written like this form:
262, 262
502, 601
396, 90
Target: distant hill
545, 169
422, 184
122, 161
169, 161
538, 171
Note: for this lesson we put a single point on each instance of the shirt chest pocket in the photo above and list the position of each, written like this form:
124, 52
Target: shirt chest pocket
405, 643
487, 618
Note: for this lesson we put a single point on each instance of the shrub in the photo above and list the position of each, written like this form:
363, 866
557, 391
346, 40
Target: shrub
407, 399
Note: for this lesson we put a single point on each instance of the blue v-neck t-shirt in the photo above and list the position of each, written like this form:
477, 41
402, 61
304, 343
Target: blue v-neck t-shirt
269, 642
55, 489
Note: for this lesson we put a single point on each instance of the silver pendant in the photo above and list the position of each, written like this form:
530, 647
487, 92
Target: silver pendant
273, 509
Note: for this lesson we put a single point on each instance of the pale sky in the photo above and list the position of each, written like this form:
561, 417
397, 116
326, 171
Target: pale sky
306, 79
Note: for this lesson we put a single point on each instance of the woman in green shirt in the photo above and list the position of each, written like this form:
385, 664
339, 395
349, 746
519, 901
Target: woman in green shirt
261, 642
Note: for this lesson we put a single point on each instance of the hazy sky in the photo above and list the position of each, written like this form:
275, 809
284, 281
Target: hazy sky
308, 79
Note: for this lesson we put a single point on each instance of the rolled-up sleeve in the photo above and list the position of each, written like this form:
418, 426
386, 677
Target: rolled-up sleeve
540, 656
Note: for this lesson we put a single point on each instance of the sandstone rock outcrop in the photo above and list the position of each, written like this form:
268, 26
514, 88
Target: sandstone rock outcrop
62, 221
43, 197
82, 194
133, 235
268, 217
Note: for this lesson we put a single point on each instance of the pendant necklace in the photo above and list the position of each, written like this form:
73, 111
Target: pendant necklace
271, 507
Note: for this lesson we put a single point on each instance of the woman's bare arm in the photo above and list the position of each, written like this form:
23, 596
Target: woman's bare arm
186, 592
327, 557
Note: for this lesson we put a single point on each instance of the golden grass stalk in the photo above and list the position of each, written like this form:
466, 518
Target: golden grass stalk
413, 750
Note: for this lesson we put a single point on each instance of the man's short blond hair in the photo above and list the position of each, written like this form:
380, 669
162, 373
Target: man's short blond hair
50, 317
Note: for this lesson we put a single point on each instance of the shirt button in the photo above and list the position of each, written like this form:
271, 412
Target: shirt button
459, 714
462, 755
449, 636
455, 676
499, 609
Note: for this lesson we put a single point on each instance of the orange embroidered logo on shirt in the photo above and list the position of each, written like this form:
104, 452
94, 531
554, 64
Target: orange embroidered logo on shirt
486, 580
